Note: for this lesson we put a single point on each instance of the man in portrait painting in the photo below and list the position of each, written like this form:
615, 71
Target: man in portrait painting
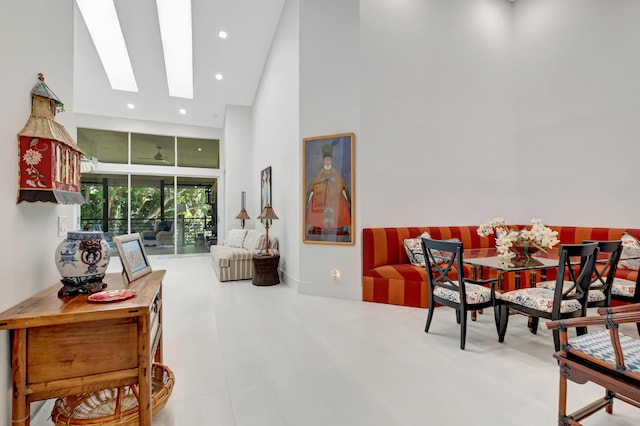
328, 201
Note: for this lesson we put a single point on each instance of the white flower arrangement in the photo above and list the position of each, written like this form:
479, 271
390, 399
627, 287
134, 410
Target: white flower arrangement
539, 237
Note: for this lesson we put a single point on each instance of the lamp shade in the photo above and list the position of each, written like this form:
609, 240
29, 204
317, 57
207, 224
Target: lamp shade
268, 213
181, 208
243, 215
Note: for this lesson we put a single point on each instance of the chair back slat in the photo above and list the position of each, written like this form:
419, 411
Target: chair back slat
441, 257
574, 282
605, 271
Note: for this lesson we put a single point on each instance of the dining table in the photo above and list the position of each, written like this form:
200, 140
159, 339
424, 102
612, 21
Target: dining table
481, 259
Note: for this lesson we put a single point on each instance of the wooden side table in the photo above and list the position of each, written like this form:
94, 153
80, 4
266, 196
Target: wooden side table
67, 346
265, 270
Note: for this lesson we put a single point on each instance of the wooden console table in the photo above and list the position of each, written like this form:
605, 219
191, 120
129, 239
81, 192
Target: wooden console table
69, 346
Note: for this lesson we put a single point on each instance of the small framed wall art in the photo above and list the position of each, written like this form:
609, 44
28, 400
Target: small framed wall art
265, 189
132, 255
329, 189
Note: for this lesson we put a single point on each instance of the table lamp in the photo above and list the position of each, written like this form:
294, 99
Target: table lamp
268, 215
242, 216
181, 208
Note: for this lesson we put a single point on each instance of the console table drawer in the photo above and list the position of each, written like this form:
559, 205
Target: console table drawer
108, 345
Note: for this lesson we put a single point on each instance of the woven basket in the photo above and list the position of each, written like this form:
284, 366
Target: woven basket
113, 407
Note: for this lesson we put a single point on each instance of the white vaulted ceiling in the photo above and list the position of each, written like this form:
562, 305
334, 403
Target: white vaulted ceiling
240, 58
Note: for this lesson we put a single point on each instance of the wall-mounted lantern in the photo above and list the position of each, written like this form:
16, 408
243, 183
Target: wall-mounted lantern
49, 158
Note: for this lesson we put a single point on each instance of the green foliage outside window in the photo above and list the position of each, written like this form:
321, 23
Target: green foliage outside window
145, 208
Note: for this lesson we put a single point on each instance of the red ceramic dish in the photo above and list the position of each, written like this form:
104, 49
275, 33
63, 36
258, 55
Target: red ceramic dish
112, 295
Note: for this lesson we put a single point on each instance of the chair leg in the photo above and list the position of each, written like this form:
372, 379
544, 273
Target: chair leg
432, 304
463, 328
610, 396
556, 340
562, 398
533, 324
504, 321
638, 327
458, 316
496, 316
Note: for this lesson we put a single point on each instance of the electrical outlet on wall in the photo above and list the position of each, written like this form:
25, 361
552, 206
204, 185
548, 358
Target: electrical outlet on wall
62, 226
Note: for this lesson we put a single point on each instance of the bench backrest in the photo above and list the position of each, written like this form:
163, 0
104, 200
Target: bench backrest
383, 246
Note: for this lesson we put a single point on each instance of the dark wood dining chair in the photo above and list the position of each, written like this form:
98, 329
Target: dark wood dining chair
628, 291
603, 273
568, 299
442, 259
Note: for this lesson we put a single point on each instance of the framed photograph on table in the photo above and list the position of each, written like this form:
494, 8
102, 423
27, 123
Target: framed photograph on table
132, 255
328, 165
265, 189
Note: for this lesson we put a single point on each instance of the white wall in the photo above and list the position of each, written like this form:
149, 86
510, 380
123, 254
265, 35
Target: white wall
330, 104
37, 37
437, 116
276, 140
239, 176
578, 103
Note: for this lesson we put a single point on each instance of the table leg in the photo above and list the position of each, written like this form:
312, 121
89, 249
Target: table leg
474, 276
533, 275
20, 407
144, 372
501, 281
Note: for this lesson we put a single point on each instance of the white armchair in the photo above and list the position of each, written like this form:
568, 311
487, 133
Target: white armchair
166, 237
162, 233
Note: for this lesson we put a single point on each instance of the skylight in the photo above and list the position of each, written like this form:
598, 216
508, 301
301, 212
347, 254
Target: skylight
102, 22
174, 17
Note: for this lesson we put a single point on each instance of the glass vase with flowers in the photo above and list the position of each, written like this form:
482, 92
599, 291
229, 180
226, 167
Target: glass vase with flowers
516, 246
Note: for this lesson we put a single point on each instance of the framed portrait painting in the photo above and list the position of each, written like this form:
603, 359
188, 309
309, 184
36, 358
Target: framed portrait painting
329, 190
132, 255
265, 189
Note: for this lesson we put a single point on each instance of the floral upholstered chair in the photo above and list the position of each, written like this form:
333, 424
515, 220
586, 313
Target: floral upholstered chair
603, 274
624, 289
442, 259
567, 299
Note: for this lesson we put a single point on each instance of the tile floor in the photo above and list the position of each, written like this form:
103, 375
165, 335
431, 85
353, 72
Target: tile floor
266, 356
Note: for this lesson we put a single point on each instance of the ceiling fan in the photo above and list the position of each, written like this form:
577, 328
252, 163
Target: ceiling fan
157, 157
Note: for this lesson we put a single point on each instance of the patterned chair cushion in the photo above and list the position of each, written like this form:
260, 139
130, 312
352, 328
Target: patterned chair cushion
598, 345
235, 238
540, 299
595, 295
622, 287
474, 293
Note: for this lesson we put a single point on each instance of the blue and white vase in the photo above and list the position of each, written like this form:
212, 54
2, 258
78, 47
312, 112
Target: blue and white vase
82, 260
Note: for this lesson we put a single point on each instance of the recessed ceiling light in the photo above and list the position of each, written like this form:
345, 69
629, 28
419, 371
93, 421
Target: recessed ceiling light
218, 76
199, 149
104, 27
174, 18
131, 106
222, 34
183, 111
